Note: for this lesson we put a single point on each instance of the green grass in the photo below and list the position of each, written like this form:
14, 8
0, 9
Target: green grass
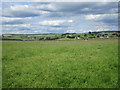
60, 64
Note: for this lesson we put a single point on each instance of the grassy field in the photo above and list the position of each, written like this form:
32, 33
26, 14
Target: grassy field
60, 64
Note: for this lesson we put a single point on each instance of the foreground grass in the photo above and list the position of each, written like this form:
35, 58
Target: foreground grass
60, 64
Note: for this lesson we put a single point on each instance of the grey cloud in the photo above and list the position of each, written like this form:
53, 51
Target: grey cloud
111, 20
77, 7
59, 9
12, 22
20, 13
67, 9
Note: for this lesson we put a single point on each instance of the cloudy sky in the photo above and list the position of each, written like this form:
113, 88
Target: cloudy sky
58, 17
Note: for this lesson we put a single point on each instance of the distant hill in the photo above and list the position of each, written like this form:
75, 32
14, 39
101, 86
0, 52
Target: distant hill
106, 31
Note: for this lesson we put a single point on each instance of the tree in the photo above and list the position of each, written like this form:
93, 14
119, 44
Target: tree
90, 32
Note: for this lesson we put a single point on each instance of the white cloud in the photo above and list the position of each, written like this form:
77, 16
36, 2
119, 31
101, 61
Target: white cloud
25, 11
92, 17
19, 7
70, 21
56, 28
71, 31
58, 17
55, 22
100, 16
44, 6
31, 8
86, 9
17, 25
8, 19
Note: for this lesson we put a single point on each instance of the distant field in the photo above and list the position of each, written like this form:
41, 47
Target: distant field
60, 64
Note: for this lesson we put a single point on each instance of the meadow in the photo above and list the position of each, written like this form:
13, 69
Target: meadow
60, 64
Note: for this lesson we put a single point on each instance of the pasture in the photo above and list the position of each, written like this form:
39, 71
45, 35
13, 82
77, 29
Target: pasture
60, 64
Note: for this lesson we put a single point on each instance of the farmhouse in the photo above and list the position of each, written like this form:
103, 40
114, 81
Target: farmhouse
6, 36
77, 37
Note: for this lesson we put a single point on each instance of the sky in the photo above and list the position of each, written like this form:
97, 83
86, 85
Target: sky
58, 17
